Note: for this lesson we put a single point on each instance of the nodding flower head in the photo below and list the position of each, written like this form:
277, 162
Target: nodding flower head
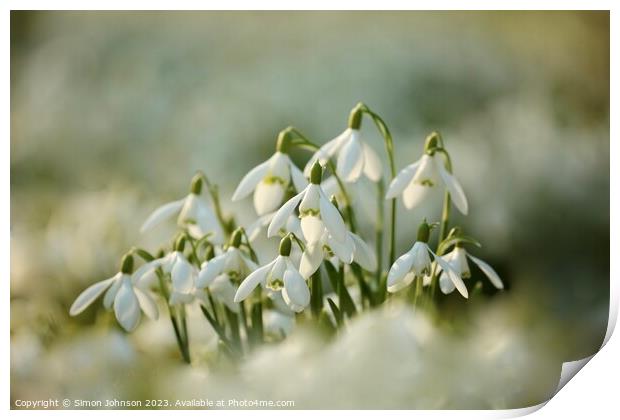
122, 294
457, 258
316, 212
416, 180
194, 214
279, 275
416, 263
354, 156
271, 179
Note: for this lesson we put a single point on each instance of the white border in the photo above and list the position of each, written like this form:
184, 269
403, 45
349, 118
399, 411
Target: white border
594, 392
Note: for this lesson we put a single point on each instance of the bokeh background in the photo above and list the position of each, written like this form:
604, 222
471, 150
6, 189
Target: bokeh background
112, 113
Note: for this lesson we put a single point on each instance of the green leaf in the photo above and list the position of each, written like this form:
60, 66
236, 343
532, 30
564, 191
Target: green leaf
335, 311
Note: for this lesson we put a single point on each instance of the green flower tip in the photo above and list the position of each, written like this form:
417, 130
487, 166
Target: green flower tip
180, 243
424, 231
355, 117
285, 246
285, 137
334, 202
235, 240
432, 141
316, 173
127, 264
196, 186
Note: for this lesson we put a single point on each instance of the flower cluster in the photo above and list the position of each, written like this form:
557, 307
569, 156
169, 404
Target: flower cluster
322, 263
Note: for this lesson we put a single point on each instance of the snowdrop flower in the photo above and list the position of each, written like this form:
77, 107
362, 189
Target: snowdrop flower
270, 179
416, 263
232, 263
353, 248
121, 293
280, 274
457, 258
355, 157
316, 212
194, 214
415, 181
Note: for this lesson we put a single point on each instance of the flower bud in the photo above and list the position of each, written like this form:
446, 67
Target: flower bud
196, 186
284, 140
424, 231
285, 246
235, 240
127, 264
355, 117
316, 173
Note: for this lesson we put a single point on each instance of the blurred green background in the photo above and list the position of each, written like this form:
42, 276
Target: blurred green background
112, 112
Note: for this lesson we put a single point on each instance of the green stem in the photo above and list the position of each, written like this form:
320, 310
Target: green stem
379, 232
183, 348
317, 295
215, 197
389, 149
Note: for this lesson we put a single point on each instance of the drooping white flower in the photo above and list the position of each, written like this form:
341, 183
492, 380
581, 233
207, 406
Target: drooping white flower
457, 258
416, 263
280, 274
194, 214
270, 179
121, 293
232, 263
316, 212
354, 157
182, 273
415, 181
353, 249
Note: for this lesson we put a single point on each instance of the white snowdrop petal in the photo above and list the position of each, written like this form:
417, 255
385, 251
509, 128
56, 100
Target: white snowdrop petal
147, 303
162, 213
350, 160
402, 180
88, 296
332, 219
298, 178
445, 284
326, 151
224, 291
454, 277
363, 255
372, 164
281, 216
456, 191
126, 306
414, 194
406, 281
311, 199
310, 259
312, 228
399, 269
208, 223
210, 270
344, 250
250, 180
295, 288
110, 295
182, 275
489, 271
267, 197
253, 230
248, 285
